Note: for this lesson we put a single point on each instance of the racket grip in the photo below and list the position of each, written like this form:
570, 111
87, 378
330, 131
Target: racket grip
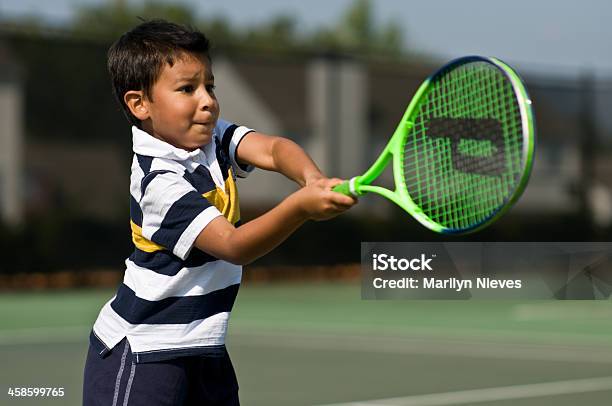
343, 188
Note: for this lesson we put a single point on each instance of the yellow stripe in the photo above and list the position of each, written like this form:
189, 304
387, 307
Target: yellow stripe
142, 243
219, 198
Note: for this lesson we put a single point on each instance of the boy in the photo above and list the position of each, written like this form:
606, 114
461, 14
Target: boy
160, 340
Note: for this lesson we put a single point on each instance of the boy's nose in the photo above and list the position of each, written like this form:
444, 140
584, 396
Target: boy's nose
207, 100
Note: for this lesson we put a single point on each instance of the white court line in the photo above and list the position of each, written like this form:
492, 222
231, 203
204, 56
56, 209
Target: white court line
459, 333
491, 394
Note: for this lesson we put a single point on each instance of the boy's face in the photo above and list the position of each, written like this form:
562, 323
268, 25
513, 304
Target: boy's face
183, 109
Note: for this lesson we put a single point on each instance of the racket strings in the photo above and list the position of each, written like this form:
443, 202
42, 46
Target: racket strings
482, 203
463, 157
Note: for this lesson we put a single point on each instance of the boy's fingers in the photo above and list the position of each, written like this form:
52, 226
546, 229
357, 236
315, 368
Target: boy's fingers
343, 200
334, 181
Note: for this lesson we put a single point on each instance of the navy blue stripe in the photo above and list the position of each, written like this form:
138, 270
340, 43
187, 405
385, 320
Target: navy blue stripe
243, 167
173, 310
148, 178
135, 211
227, 138
166, 263
222, 160
213, 351
177, 219
200, 179
145, 163
222, 149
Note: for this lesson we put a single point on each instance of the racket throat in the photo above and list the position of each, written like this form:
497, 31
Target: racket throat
353, 186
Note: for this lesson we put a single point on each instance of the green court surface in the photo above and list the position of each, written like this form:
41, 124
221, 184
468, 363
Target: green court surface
320, 344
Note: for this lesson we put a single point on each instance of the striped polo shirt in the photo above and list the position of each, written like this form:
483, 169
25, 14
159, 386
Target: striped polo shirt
175, 300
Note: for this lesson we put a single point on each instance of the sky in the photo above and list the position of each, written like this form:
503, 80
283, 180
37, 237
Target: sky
541, 36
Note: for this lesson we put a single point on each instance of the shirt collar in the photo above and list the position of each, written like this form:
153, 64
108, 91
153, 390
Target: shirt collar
146, 144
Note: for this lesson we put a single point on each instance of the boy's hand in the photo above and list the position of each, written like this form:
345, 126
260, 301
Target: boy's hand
313, 177
319, 202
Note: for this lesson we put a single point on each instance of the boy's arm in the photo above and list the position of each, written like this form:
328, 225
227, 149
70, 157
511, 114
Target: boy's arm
256, 238
279, 155
314, 201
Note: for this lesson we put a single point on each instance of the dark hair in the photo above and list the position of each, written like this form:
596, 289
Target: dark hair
137, 58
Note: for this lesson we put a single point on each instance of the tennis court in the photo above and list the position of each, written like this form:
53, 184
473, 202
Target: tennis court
320, 344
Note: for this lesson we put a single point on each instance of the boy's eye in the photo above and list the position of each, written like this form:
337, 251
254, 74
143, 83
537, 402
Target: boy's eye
186, 89
211, 88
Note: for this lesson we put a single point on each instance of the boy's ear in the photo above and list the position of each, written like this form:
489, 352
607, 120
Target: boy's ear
137, 104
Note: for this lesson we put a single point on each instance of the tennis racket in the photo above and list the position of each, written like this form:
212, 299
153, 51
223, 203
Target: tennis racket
463, 151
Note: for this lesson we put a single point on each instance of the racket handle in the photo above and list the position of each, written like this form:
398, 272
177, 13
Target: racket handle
343, 188
347, 187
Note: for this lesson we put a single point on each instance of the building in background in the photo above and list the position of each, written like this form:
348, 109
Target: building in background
12, 167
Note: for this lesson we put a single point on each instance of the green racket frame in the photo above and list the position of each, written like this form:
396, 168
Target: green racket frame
361, 185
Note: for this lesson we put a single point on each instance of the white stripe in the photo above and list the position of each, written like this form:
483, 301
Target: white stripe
239, 133
493, 394
136, 179
160, 195
157, 164
158, 337
185, 242
197, 281
145, 144
111, 329
109, 326
163, 164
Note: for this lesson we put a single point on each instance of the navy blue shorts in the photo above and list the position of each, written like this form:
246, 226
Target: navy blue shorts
116, 380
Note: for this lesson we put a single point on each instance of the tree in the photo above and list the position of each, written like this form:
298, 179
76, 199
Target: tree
112, 20
355, 32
